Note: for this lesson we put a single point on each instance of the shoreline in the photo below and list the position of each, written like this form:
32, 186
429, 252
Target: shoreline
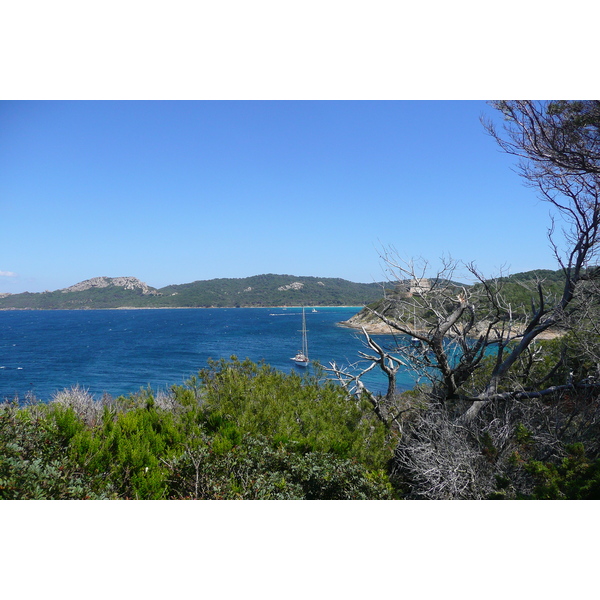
385, 329
282, 307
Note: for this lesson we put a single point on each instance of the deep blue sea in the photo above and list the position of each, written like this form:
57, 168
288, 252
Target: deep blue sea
121, 351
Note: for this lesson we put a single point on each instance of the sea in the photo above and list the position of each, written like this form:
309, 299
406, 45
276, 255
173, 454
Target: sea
119, 352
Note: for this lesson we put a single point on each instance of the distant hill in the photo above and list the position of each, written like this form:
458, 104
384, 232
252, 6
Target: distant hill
271, 290
517, 290
260, 290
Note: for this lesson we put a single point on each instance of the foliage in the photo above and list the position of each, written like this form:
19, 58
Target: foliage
576, 477
263, 401
236, 431
511, 450
34, 462
258, 469
260, 290
125, 452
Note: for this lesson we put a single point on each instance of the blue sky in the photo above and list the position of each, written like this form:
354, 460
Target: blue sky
176, 191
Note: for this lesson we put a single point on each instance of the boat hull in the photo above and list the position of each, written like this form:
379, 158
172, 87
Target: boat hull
301, 360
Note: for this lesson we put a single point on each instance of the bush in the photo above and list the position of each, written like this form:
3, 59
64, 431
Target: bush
126, 453
575, 478
237, 431
34, 461
263, 401
259, 469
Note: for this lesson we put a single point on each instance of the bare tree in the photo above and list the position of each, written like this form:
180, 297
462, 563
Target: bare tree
384, 407
559, 144
481, 351
447, 330
440, 457
560, 135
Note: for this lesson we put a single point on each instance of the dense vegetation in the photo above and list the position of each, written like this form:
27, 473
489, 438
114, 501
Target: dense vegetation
236, 431
517, 289
239, 430
261, 290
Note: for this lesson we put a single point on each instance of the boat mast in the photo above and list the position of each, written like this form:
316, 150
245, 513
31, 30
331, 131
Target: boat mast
304, 337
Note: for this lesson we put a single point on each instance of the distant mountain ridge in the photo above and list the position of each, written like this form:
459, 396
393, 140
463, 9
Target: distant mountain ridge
259, 290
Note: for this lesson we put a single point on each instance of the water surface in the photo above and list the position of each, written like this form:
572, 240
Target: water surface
121, 351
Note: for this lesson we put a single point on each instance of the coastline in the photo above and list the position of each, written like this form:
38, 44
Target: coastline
382, 328
88, 308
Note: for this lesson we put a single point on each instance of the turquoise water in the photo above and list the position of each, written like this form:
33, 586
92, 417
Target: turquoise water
121, 351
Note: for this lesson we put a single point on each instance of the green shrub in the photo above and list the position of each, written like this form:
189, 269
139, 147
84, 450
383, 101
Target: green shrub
126, 452
263, 401
574, 478
34, 461
238, 430
258, 469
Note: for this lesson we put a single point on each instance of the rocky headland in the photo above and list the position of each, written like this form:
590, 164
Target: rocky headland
375, 326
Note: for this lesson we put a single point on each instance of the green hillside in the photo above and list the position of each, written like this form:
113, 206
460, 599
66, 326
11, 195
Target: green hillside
269, 290
260, 290
517, 291
520, 288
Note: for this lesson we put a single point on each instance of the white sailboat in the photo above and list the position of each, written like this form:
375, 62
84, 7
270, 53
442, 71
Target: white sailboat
301, 359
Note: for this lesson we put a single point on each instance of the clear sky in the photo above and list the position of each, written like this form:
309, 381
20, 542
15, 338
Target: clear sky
177, 191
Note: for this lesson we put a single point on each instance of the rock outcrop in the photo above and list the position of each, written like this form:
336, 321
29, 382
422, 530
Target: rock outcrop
297, 285
128, 283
